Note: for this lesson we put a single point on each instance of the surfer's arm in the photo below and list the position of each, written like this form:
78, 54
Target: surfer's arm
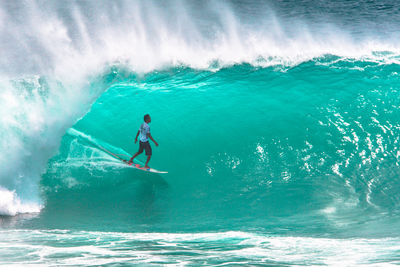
151, 138
137, 136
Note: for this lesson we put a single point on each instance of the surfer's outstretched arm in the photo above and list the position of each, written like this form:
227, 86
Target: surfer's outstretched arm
137, 135
151, 138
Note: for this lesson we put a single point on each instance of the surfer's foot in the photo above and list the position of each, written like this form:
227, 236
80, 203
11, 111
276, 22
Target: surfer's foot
130, 161
146, 166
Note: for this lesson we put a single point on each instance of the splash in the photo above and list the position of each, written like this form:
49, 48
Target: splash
10, 204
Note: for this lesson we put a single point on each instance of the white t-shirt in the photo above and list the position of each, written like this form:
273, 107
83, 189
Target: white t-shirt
144, 130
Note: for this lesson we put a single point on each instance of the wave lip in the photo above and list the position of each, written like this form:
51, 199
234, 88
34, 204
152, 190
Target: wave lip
142, 35
11, 205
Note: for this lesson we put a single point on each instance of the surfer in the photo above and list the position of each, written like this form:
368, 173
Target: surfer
144, 144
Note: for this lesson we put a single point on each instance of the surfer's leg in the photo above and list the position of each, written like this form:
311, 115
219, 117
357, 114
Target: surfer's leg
141, 148
147, 148
147, 162
134, 156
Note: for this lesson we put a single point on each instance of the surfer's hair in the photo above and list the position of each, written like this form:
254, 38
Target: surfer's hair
146, 117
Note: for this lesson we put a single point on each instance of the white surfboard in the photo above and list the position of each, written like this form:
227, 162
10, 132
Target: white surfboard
140, 167
133, 165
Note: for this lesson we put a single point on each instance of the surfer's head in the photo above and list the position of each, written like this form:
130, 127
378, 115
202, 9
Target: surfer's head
147, 118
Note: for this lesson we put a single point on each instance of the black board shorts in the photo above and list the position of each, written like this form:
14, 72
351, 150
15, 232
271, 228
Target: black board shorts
146, 147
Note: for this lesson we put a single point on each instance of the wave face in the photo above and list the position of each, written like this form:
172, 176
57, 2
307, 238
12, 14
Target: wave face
273, 118
314, 145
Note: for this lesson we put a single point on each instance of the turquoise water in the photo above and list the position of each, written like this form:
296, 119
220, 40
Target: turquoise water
282, 149
269, 145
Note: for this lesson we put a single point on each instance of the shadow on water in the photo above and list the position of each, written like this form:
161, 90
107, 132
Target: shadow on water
107, 199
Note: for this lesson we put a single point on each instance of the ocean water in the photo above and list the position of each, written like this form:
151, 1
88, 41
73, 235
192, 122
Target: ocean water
278, 124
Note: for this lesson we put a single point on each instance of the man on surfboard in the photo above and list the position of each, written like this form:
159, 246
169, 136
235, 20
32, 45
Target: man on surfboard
144, 144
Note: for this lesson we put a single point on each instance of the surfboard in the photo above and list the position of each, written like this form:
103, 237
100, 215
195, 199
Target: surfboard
120, 157
133, 165
140, 167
